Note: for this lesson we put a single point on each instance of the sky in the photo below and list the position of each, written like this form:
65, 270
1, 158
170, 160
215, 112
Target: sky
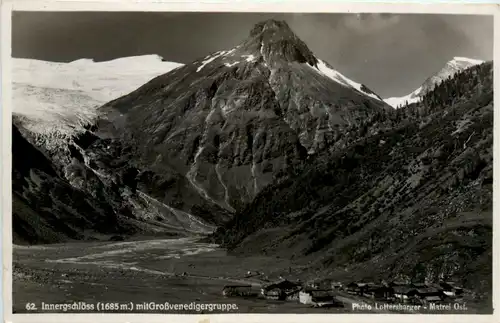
391, 54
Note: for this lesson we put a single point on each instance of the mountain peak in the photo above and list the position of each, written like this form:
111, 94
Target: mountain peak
275, 41
460, 63
452, 67
271, 25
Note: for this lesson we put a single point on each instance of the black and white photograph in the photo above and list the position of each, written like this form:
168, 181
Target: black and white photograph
251, 162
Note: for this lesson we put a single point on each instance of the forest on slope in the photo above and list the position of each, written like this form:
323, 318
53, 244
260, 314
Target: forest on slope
406, 194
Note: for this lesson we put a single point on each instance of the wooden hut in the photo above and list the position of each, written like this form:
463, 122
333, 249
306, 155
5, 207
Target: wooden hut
280, 289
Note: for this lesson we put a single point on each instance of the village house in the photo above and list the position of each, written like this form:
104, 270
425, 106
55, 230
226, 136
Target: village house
404, 293
280, 290
238, 290
317, 297
379, 292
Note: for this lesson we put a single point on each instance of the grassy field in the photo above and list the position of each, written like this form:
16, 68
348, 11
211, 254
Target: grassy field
138, 272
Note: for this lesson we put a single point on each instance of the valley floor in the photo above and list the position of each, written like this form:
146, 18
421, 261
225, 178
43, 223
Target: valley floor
146, 271
138, 272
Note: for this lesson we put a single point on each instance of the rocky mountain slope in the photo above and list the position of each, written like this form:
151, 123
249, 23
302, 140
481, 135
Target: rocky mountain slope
412, 199
57, 195
457, 64
47, 208
77, 203
217, 131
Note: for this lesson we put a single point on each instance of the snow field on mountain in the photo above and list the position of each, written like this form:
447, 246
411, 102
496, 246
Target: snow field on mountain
56, 97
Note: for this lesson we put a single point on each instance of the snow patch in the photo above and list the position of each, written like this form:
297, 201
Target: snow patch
458, 64
249, 58
468, 60
231, 64
341, 79
229, 52
212, 58
397, 102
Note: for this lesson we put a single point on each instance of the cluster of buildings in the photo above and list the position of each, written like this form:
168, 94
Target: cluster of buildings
285, 290
415, 293
315, 295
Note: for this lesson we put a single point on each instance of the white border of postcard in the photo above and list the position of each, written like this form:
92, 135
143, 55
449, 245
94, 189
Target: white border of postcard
303, 6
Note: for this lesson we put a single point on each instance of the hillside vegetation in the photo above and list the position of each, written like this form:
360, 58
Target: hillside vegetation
407, 194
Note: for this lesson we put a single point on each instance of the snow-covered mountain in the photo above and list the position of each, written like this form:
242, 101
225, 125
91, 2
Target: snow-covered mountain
52, 98
455, 65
